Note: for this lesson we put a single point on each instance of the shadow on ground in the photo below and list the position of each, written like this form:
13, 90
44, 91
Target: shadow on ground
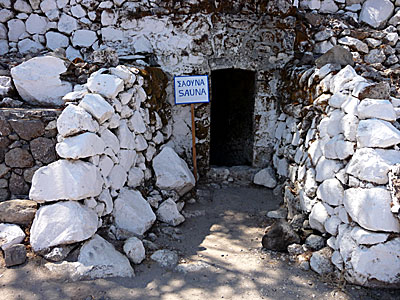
220, 258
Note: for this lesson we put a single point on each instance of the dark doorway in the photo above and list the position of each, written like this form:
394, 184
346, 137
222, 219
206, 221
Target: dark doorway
232, 108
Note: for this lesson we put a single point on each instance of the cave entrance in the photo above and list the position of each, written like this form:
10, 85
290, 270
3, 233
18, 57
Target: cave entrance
232, 108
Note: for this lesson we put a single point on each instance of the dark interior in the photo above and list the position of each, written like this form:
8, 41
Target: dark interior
232, 107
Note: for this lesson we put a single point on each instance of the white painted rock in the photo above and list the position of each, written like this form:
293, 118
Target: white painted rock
99, 108
338, 82
67, 24
125, 136
75, 119
380, 262
168, 213
327, 168
80, 146
10, 234
370, 208
377, 133
117, 177
64, 179
105, 164
374, 108
110, 140
318, 217
331, 191
365, 237
38, 80
136, 123
104, 260
134, 250
83, 38
172, 172
331, 225
135, 177
337, 148
132, 212
56, 40
62, 223
320, 261
376, 12
127, 158
372, 164
266, 177
349, 124
106, 85
36, 24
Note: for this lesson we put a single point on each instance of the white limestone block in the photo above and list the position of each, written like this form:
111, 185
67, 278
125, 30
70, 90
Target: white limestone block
99, 108
83, 38
117, 177
377, 133
104, 260
106, 85
132, 212
338, 82
75, 119
105, 164
134, 250
327, 168
105, 198
124, 73
127, 158
65, 179
172, 172
27, 46
331, 191
38, 80
16, 30
80, 146
62, 223
168, 213
376, 12
349, 124
125, 136
135, 177
370, 208
136, 123
366, 237
140, 143
10, 234
331, 225
372, 164
110, 140
36, 24
67, 24
376, 109
337, 99
56, 40
265, 177
337, 148
318, 217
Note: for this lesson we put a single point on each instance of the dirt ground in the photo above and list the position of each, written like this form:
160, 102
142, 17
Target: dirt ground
220, 258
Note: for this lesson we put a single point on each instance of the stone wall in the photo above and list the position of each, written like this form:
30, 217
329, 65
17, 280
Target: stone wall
27, 140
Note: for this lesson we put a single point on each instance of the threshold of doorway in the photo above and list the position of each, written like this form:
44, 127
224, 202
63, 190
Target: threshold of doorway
238, 175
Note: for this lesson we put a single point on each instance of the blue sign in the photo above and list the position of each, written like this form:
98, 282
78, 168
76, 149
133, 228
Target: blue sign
191, 89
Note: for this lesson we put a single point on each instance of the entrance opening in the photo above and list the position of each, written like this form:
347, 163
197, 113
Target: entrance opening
232, 109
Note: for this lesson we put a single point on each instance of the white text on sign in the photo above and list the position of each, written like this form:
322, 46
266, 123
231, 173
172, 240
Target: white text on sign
191, 89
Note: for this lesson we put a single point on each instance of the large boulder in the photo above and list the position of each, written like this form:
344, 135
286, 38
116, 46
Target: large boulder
80, 146
132, 213
38, 81
19, 212
377, 133
62, 223
64, 179
106, 85
370, 208
103, 260
172, 172
376, 12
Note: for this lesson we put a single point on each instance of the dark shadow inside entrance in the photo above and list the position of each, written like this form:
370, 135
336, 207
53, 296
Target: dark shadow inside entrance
232, 108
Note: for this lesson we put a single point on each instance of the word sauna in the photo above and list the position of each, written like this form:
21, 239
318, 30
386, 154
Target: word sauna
191, 89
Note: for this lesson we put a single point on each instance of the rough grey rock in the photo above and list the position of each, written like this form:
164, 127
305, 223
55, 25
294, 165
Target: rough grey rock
168, 213
320, 261
266, 177
376, 12
15, 255
134, 250
279, 236
19, 212
315, 242
165, 258
336, 55
10, 234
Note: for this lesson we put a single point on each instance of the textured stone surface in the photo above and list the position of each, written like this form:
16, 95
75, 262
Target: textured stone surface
172, 172
318, 217
331, 191
19, 158
166, 258
320, 261
132, 212
106, 85
43, 150
27, 129
63, 179
379, 109
50, 90
376, 12
265, 177
370, 208
377, 133
104, 261
15, 255
16, 211
80, 146
62, 223
74, 119
99, 108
